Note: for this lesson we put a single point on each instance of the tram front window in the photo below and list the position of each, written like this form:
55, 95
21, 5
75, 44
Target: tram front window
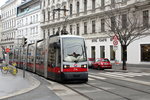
74, 50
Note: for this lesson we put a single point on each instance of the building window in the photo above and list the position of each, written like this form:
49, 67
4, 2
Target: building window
102, 25
70, 29
146, 18
48, 15
85, 5
36, 17
93, 26
58, 31
145, 52
58, 15
112, 2
44, 3
85, 27
70, 9
53, 15
78, 7
48, 2
33, 18
78, 29
113, 23
53, 30
93, 4
102, 3
124, 21
102, 51
93, 52
112, 53
44, 16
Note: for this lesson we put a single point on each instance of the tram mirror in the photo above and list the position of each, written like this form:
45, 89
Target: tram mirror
56, 45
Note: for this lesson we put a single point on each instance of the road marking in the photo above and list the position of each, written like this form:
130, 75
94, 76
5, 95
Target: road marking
129, 74
91, 79
98, 77
124, 79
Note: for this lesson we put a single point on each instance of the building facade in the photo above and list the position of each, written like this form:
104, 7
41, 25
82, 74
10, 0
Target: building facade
8, 19
86, 18
28, 21
0, 36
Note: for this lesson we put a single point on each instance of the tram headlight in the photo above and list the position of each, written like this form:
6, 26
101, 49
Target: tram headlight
84, 66
66, 66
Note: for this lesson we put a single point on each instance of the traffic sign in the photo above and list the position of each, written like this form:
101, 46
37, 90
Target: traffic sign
115, 37
115, 42
7, 50
115, 48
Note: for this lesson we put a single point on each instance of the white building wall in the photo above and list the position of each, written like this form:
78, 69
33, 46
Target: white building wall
89, 16
28, 23
134, 51
8, 13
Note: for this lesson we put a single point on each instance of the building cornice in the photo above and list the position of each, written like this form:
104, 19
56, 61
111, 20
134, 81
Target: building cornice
97, 14
7, 3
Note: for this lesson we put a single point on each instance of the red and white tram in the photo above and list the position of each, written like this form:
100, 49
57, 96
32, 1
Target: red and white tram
61, 58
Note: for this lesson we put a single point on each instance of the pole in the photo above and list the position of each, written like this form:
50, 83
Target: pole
23, 63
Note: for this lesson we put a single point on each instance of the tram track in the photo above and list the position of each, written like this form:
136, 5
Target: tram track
89, 98
106, 90
122, 85
82, 94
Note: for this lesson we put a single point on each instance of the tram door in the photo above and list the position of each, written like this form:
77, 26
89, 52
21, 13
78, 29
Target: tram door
40, 57
53, 62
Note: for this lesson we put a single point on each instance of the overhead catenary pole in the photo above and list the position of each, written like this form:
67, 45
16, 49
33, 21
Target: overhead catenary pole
63, 31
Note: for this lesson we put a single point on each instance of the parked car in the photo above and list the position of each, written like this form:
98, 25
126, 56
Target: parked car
90, 61
102, 63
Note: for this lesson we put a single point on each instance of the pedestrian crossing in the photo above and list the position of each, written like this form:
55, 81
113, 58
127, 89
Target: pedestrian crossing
103, 75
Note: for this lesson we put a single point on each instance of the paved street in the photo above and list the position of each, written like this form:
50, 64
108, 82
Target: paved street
114, 84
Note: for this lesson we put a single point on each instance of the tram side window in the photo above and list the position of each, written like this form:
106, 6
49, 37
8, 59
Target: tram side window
40, 54
31, 54
51, 56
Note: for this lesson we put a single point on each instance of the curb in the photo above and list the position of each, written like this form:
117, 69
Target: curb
34, 84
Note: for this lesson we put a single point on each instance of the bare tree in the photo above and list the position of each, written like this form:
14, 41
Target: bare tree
127, 24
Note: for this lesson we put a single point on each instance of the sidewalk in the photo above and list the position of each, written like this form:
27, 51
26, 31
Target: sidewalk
14, 85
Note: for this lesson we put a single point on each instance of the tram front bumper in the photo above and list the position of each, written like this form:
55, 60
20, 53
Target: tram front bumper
75, 75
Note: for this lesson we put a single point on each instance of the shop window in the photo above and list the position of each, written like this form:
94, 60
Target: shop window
112, 53
102, 51
145, 52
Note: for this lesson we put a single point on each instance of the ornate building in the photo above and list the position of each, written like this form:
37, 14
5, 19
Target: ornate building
87, 18
28, 21
8, 20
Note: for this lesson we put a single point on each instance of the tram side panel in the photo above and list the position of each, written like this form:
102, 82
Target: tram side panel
54, 61
40, 58
30, 57
16, 56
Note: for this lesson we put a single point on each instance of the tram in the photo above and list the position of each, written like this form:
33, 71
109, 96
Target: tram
59, 57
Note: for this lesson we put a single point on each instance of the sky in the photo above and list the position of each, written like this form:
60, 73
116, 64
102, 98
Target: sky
1, 3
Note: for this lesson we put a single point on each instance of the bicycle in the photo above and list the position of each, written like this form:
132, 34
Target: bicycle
12, 69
